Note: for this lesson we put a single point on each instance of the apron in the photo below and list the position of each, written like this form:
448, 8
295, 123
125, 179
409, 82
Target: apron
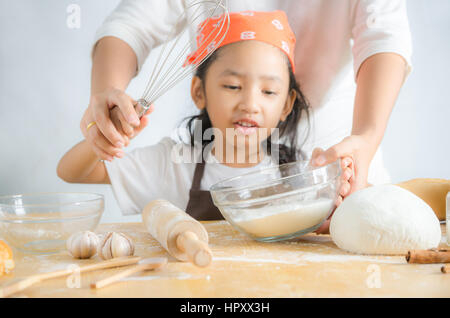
200, 205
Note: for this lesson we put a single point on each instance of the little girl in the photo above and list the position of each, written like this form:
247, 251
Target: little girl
244, 91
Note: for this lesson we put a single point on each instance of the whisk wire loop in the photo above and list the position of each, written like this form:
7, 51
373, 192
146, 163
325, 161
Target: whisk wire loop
166, 74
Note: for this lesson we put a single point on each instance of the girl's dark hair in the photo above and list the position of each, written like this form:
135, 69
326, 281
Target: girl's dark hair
288, 151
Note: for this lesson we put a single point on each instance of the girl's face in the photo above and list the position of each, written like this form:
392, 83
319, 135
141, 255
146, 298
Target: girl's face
246, 94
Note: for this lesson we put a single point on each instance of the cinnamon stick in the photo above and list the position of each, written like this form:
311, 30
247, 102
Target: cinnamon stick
430, 256
445, 268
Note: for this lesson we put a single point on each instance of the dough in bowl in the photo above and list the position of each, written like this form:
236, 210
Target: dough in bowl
384, 219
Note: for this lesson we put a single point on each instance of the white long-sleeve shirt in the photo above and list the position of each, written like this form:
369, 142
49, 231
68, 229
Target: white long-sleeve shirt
334, 37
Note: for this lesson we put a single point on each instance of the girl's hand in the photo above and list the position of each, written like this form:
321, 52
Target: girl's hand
354, 152
104, 138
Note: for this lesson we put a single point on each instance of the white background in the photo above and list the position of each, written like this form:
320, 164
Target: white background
45, 82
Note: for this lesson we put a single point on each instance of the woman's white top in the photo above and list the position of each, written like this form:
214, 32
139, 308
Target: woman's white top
334, 37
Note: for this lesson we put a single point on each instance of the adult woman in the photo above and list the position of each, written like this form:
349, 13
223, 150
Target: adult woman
339, 44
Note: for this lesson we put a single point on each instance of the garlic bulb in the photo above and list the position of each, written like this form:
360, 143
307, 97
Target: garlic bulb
82, 244
115, 245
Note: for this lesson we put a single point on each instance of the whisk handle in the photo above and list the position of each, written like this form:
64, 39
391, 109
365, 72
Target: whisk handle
141, 107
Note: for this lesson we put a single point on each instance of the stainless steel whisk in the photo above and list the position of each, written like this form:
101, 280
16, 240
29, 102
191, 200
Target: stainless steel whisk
166, 74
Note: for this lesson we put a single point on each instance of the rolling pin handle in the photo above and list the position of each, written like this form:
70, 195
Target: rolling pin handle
197, 250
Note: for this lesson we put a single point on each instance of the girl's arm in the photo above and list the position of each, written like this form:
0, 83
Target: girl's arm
81, 165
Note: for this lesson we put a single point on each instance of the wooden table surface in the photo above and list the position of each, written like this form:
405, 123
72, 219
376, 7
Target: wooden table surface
308, 267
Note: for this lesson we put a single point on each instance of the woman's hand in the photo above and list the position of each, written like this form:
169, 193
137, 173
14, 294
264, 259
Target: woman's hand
108, 137
126, 130
355, 154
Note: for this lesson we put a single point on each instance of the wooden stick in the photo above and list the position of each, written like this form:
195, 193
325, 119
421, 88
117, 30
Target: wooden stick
428, 256
145, 265
31, 280
197, 250
445, 268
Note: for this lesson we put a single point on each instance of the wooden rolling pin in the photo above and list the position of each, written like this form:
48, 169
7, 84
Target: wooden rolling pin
430, 256
180, 234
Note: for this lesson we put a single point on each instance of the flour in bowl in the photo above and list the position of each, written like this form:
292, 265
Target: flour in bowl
275, 220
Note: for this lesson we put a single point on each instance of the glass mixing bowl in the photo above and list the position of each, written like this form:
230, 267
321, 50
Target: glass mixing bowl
42, 222
279, 203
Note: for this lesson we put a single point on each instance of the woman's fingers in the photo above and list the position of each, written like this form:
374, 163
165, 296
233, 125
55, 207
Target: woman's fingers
144, 123
130, 131
324, 228
144, 120
103, 122
91, 134
118, 119
338, 201
101, 105
124, 127
347, 174
118, 124
85, 120
347, 162
126, 106
345, 148
344, 188
316, 152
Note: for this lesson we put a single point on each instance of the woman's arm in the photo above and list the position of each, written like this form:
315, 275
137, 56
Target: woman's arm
81, 165
114, 65
124, 41
378, 84
379, 80
381, 59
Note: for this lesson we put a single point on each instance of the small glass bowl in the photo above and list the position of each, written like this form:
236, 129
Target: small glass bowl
279, 203
42, 222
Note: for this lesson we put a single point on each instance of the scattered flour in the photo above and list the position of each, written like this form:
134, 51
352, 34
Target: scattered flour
166, 276
302, 258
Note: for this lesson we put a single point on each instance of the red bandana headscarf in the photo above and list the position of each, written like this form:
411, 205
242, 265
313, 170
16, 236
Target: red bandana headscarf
269, 27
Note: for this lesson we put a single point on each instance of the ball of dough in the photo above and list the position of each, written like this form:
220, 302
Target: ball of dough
384, 219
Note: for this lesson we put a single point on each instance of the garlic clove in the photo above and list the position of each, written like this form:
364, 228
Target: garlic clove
105, 247
118, 244
82, 244
114, 245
